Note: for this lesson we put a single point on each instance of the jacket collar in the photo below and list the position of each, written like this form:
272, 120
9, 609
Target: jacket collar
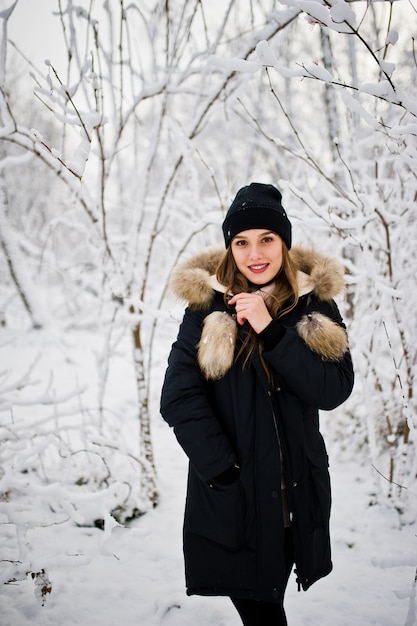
305, 285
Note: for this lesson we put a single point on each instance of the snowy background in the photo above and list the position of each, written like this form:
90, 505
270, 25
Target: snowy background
119, 156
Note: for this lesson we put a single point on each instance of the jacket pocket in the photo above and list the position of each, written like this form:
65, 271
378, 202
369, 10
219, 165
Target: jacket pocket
217, 515
319, 486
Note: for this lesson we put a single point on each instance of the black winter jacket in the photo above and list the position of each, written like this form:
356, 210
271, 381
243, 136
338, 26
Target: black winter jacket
225, 414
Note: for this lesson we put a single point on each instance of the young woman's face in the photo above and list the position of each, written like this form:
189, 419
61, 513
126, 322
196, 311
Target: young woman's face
258, 255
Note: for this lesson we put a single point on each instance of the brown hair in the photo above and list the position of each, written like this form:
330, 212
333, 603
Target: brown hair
279, 301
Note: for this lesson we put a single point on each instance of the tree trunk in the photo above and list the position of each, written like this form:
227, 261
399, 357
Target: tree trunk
329, 95
149, 489
17, 268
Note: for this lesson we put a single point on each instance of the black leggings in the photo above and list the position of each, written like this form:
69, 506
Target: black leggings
259, 613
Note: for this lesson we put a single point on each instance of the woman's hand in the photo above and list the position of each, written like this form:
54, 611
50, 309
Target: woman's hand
251, 308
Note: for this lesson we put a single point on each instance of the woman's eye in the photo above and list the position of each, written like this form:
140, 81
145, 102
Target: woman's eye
267, 239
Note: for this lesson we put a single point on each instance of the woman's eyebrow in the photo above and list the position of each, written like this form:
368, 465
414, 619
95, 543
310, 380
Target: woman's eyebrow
267, 232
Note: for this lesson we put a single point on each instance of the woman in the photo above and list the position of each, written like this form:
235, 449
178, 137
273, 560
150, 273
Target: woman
261, 349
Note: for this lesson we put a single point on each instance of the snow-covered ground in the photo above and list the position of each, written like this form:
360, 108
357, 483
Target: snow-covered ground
134, 575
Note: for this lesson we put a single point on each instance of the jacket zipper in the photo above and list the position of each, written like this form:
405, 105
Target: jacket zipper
283, 464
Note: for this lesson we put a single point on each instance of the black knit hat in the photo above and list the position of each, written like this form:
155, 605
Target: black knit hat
257, 206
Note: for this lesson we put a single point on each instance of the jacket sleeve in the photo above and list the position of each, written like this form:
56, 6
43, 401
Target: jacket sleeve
322, 383
185, 405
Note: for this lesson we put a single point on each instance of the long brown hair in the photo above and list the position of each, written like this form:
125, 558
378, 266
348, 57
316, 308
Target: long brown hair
281, 299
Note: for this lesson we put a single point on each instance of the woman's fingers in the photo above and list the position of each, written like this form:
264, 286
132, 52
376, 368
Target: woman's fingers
251, 308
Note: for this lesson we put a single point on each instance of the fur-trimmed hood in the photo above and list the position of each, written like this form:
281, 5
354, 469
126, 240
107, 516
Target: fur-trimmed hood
194, 281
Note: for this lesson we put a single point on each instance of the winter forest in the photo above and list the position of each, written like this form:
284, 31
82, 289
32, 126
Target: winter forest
120, 151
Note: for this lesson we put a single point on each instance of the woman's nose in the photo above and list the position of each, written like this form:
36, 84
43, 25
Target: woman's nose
254, 252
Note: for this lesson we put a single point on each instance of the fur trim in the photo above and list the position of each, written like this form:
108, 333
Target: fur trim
216, 347
190, 280
326, 274
324, 336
